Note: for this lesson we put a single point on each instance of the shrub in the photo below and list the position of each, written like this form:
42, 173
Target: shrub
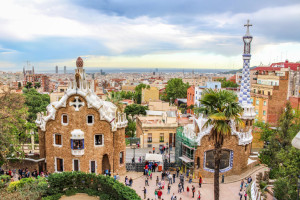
97, 185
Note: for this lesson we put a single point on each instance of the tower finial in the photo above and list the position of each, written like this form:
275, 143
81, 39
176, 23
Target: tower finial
248, 25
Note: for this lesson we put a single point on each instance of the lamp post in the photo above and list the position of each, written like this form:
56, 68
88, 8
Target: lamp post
133, 147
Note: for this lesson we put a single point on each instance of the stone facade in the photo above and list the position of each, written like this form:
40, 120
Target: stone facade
76, 120
239, 160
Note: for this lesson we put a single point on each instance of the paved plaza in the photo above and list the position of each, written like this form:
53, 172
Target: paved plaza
228, 190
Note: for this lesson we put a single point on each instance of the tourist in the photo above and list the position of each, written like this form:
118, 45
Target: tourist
241, 195
169, 188
155, 194
190, 179
187, 173
146, 182
163, 184
173, 197
193, 190
245, 194
157, 179
177, 170
187, 190
174, 178
199, 195
200, 181
145, 192
132, 160
170, 178
140, 159
118, 177
130, 182
159, 194
179, 187
181, 178
153, 149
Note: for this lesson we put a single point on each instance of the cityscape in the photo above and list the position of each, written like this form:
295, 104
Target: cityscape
149, 100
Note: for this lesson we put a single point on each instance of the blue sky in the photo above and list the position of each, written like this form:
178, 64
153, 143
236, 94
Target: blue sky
148, 34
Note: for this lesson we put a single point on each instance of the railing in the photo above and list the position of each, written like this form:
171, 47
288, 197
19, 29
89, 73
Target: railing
185, 140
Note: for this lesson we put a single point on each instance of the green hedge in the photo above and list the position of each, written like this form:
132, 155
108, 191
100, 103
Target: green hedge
98, 185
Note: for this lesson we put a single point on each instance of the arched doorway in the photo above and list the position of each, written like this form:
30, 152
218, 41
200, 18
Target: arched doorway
105, 163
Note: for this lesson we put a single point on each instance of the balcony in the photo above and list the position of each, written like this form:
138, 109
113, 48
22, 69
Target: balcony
77, 152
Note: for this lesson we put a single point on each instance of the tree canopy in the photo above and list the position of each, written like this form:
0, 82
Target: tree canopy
176, 89
35, 102
280, 156
13, 124
135, 109
227, 84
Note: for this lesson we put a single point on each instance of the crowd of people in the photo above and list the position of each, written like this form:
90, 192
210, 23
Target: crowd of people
167, 180
243, 187
23, 173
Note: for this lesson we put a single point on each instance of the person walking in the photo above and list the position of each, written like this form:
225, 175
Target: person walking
153, 149
187, 190
190, 179
193, 190
169, 188
241, 195
245, 194
157, 179
146, 182
200, 181
130, 182
170, 178
199, 195
155, 194
159, 193
177, 170
179, 187
145, 193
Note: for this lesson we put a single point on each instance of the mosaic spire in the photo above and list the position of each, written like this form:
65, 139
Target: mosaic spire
244, 96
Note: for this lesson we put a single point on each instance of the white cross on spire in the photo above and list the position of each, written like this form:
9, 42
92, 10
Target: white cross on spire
248, 25
76, 103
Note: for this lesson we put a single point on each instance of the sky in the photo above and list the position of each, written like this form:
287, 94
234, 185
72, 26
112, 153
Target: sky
146, 33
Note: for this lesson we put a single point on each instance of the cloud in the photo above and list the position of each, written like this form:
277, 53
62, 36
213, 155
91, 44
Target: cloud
54, 31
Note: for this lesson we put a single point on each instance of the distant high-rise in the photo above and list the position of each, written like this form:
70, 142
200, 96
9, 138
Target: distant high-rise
56, 69
65, 69
32, 69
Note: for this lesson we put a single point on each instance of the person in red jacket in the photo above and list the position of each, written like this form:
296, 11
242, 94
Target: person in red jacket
200, 181
159, 193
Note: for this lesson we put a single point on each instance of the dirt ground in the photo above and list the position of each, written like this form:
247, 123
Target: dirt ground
79, 196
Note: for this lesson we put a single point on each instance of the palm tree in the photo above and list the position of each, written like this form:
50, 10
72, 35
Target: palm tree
220, 107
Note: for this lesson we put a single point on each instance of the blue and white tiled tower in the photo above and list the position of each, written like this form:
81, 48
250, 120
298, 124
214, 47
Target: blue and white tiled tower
244, 96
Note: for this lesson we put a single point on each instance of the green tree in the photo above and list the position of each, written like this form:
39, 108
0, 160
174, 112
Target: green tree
176, 89
220, 107
37, 85
28, 85
280, 156
227, 84
138, 92
35, 102
13, 116
131, 128
135, 109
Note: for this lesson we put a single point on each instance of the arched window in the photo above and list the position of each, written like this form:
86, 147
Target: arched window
225, 163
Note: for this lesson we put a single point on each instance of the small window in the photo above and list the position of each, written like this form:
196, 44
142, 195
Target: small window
149, 137
99, 140
75, 165
59, 165
257, 102
264, 112
121, 157
161, 137
256, 111
198, 162
57, 139
64, 119
93, 166
90, 119
265, 103
62, 90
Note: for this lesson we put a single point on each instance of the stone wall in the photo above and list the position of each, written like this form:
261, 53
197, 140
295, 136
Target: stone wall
78, 120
